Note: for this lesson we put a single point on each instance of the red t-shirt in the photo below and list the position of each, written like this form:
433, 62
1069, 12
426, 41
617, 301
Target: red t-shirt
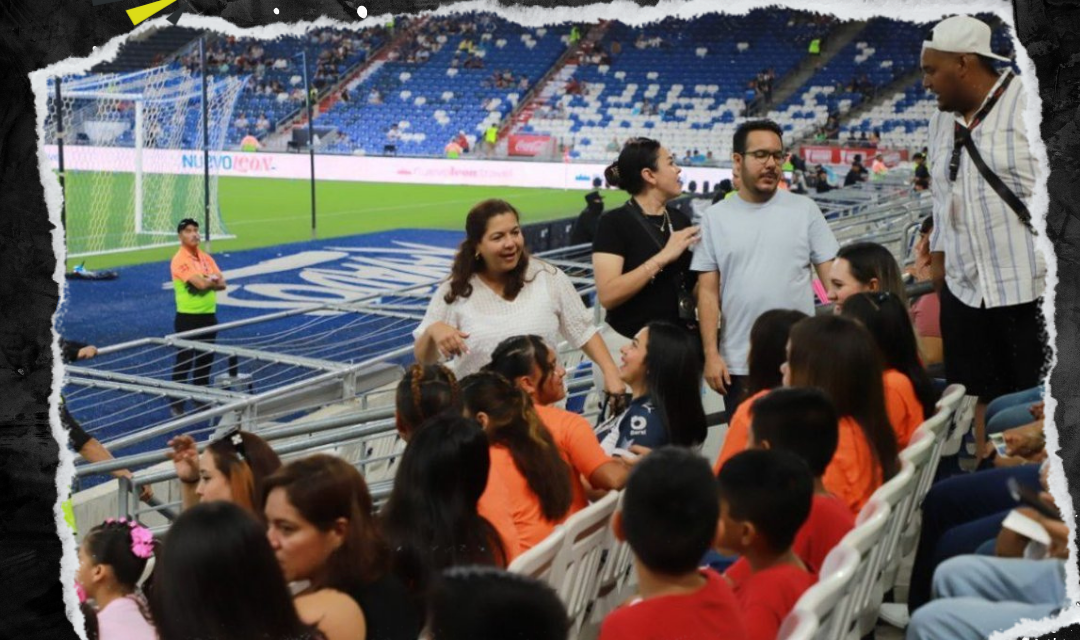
829, 521
766, 597
710, 613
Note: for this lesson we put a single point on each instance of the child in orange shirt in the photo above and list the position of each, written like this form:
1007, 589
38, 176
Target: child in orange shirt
524, 456
765, 498
909, 392
838, 355
768, 350
534, 367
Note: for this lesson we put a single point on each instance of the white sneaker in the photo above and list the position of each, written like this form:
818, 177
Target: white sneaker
895, 614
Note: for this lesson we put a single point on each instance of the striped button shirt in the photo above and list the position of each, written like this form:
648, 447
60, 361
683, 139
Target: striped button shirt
990, 256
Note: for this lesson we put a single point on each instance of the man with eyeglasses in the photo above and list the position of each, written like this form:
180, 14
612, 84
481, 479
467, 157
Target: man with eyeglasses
985, 267
755, 255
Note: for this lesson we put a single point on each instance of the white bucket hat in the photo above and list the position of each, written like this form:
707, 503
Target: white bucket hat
962, 34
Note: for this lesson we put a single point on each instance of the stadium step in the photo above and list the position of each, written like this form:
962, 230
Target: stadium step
883, 95
831, 45
536, 96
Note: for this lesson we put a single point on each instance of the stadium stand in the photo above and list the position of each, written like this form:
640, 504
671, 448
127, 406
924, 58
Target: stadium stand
685, 86
450, 78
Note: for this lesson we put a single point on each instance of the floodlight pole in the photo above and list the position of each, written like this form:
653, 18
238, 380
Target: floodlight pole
206, 141
310, 139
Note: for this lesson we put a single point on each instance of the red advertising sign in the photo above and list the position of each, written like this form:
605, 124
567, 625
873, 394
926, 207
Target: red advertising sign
824, 154
529, 145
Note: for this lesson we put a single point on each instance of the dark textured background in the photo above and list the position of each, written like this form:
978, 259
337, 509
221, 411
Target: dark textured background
37, 33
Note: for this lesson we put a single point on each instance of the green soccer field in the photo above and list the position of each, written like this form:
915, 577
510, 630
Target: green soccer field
266, 212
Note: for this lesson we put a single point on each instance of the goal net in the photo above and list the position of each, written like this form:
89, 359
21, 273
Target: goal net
133, 155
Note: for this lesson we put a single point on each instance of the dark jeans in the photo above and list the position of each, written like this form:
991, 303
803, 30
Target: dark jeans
960, 514
185, 358
736, 393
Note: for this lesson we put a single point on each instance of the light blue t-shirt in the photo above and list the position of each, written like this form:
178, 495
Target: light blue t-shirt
764, 253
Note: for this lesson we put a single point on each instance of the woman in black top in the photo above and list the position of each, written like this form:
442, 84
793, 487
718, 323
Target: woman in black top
640, 257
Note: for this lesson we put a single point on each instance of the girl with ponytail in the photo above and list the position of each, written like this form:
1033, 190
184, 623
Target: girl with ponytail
115, 561
524, 458
424, 392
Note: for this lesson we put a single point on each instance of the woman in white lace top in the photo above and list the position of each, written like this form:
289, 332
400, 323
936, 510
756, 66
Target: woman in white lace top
496, 291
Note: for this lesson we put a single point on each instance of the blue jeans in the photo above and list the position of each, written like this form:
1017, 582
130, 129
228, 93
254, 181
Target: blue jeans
1012, 410
959, 514
977, 596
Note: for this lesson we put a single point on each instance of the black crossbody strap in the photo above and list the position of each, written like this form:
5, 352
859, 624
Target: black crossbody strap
997, 185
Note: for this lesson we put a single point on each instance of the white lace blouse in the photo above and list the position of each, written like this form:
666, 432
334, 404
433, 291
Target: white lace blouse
548, 306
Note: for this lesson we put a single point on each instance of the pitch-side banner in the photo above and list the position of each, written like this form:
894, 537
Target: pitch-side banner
504, 173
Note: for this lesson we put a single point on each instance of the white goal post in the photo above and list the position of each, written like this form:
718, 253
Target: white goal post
122, 135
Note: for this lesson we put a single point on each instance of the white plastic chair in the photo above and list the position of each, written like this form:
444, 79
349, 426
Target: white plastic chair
615, 575
588, 536
898, 493
865, 538
799, 625
824, 597
540, 561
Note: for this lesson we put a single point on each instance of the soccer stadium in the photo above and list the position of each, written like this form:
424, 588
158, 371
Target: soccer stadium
297, 259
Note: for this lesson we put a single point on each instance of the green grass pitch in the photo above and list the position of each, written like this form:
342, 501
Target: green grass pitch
266, 212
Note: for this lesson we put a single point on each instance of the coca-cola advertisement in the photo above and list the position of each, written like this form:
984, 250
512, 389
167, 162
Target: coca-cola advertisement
530, 145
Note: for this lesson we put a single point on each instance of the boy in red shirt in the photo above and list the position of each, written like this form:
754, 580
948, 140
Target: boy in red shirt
764, 499
669, 518
803, 421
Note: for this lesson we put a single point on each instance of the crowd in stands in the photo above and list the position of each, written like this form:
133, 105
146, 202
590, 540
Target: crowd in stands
820, 408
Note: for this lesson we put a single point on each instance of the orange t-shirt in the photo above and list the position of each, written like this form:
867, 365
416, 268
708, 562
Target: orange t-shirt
853, 474
738, 432
904, 409
578, 446
522, 504
494, 506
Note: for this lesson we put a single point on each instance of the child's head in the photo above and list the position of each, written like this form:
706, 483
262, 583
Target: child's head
531, 364
765, 497
768, 348
669, 511
482, 602
113, 557
424, 392
801, 420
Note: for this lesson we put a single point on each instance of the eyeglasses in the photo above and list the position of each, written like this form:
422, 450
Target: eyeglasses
762, 155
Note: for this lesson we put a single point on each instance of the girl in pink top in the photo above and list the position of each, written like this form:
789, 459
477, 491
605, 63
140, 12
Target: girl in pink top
114, 561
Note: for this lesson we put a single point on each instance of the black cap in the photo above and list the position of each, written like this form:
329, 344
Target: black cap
185, 223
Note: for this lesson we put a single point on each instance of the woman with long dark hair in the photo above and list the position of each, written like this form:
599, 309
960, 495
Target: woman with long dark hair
217, 579
432, 519
231, 468
497, 290
532, 365
323, 531
768, 350
114, 564
525, 460
424, 392
864, 267
641, 260
838, 356
910, 395
663, 367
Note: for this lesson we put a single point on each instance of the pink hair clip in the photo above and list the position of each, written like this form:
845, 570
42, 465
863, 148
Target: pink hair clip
142, 541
